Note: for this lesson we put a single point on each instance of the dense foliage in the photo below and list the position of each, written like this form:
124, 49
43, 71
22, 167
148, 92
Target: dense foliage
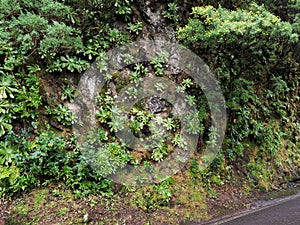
251, 46
41, 38
250, 51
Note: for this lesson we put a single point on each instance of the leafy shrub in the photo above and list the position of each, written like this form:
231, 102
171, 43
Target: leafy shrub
39, 37
17, 100
244, 47
251, 41
62, 114
42, 34
26, 163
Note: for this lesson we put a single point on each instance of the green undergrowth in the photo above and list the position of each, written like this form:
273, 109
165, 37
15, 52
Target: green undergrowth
262, 133
39, 40
252, 49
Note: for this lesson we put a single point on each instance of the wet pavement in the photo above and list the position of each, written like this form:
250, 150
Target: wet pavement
282, 212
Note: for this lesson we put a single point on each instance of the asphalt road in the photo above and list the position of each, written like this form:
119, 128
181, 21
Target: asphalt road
281, 213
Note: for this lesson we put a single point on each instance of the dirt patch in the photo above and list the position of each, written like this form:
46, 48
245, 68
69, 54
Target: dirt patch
57, 204
229, 199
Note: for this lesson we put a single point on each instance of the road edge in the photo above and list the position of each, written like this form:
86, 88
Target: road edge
261, 206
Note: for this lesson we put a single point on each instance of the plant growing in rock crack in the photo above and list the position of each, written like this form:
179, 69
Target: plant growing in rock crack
62, 114
170, 124
141, 69
127, 58
132, 92
117, 37
180, 141
172, 12
102, 66
68, 94
105, 102
191, 100
123, 8
142, 116
136, 126
192, 123
135, 28
140, 120
158, 62
161, 151
157, 142
118, 119
185, 84
135, 76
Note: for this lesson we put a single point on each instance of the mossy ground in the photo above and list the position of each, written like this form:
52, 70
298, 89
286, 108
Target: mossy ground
56, 204
191, 202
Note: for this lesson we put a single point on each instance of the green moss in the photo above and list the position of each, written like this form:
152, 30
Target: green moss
40, 198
